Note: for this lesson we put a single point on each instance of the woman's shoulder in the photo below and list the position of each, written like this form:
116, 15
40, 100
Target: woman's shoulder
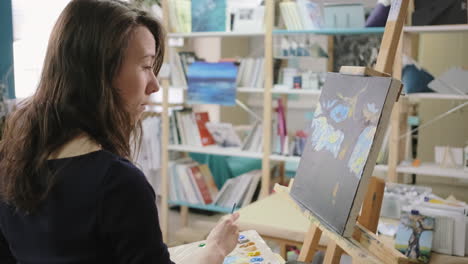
103, 166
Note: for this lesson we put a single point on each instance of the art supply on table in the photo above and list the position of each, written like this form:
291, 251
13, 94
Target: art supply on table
251, 248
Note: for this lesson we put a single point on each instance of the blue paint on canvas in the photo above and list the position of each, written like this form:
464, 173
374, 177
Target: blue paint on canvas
212, 83
325, 136
339, 113
361, 151
208, 15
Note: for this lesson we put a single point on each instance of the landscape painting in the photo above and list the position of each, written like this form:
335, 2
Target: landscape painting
346, 133
212, 83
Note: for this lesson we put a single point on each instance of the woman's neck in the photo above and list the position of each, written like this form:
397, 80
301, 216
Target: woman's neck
79, 145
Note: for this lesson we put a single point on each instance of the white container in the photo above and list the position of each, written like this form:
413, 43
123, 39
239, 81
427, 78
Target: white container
397, 196
288, 77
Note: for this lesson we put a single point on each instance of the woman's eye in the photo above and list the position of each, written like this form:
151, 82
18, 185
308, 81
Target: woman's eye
148, 67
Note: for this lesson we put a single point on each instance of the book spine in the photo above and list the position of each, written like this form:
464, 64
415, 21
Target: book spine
202, 186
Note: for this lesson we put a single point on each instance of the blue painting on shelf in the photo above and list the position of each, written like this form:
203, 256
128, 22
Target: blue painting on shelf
212, 83
208, 15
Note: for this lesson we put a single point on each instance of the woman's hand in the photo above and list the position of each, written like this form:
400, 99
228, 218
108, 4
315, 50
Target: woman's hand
219, 243
224, 235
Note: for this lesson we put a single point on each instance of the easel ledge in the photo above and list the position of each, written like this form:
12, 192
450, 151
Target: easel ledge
360, 251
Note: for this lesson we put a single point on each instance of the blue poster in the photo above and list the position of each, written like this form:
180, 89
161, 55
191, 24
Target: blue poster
208, 15
212, 83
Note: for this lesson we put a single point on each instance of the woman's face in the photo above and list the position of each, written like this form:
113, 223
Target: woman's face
136, 80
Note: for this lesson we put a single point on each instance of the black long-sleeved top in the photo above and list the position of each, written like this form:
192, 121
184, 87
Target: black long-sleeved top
101, 210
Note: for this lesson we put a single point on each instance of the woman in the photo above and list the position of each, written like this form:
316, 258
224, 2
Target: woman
68, 193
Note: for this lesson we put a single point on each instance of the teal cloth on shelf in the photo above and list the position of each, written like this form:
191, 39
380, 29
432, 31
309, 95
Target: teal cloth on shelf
225, 167
291, 168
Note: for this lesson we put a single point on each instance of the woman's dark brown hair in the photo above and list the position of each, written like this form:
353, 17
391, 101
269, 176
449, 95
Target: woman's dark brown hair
74, 95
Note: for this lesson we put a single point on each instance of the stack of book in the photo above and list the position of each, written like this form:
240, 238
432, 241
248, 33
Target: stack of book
179, 63
301, 15
451, 223
251, 73
239, 191
191, 182
253, 141
180, 16
187, 16
189, 128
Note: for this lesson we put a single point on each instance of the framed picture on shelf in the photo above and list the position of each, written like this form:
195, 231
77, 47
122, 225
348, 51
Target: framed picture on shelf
249, 19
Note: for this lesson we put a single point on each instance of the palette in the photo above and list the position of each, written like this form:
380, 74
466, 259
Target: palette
250, 249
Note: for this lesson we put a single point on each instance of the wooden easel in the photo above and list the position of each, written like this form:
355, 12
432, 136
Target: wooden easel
364, 247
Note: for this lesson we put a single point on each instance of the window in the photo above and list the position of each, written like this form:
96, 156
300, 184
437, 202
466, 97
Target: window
32, 23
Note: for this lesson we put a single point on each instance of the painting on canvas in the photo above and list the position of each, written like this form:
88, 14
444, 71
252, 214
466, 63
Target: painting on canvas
212, 83
346, 133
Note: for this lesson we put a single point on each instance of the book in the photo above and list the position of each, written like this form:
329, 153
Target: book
202, 118
249, 195
224, 134
253, 140
210, 182
201, 185
187, 185
239, 190
249, 19
180, 15
282, 129
310, 14
450, 232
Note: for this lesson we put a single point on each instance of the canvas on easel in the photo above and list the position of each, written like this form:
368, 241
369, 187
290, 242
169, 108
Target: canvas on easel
347, 130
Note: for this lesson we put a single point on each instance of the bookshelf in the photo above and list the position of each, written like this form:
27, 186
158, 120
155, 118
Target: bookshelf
166, 147
409, 46
427, 169
437, 96
262, 90
209, 207
267, 90
215, 34
333, 31
436, 29
215, 150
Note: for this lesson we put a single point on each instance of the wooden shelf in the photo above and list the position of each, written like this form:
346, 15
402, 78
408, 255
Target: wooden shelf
215, 150
207, 207
279, 91
436, 29
261, 90
276, 157
215, 34
434, 170
375, 30
296, 91
436, 96
332, 31
429, 169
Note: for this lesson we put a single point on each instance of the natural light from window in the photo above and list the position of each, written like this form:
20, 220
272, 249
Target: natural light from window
32, 24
